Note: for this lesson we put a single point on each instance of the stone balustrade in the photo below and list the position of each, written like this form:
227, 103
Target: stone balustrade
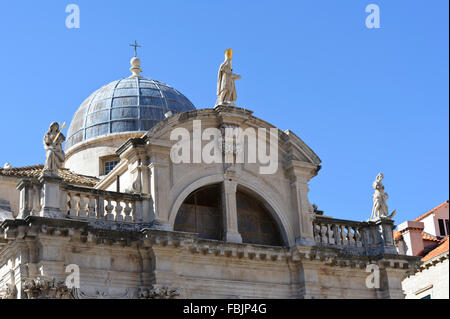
54, 199
89, 203
364, 238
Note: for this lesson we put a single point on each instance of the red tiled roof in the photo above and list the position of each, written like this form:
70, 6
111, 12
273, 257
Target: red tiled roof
425, 236
442, 248
36, 170
429, 237
430, 212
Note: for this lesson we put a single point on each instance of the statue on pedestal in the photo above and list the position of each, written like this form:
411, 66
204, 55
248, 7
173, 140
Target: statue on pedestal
226, 89
380, 208
54, 154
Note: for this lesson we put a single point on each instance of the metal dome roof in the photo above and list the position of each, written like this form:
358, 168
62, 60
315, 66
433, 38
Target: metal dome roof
127, 105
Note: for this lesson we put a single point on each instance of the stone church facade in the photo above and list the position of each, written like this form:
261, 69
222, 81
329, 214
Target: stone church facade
135, 224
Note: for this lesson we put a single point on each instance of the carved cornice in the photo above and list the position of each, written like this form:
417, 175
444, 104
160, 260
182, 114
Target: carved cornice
335, 257
74, 230
432, 262
192, 244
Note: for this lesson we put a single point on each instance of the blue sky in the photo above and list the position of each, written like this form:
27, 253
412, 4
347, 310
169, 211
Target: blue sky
365, 100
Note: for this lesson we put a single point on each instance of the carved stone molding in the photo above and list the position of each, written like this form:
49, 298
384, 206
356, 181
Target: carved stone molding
93, 293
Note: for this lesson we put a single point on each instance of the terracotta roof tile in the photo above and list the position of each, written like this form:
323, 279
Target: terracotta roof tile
430, 212
36, 170
442, 248
425, 236
429, 237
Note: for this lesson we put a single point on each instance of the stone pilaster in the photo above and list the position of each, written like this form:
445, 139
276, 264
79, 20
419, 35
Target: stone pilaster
25, 188
159, 187
301, 173
230, 221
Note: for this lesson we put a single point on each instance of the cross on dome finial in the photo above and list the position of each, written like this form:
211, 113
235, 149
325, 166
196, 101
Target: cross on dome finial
135, 62
135, 45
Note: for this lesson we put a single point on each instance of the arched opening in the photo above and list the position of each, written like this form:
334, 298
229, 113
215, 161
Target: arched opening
255, 223
201, 213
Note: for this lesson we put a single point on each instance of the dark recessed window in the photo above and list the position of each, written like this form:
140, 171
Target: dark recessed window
255, 223
109, 165
201, 213
426, 297
441, 227
446, 225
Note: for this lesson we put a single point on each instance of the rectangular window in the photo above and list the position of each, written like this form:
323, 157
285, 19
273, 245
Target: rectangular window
446, 225
441, 227
109, 166
426, 297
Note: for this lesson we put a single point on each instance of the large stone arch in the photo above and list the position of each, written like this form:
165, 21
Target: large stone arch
201, 182
261, 191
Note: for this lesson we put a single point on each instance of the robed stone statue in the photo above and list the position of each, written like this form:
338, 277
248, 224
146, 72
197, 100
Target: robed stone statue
226, 89
380, 207
54, 154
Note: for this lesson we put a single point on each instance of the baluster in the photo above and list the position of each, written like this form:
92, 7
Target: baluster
127, 210
108, 208
330, 234
73, 205
358, 237
316, 233
351, 236
82, 207
66, 205
67, 211
344, 236
118, 210
91, 207
323, 232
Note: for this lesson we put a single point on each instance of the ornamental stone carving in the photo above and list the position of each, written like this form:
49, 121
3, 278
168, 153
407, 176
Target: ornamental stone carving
42, 288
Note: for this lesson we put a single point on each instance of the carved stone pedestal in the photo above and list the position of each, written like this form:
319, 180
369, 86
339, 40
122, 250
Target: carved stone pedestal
51, 195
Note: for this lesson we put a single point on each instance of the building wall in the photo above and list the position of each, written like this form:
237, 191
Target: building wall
84, 158
170, 184
112, 268
431, 222
9, 195
432, 281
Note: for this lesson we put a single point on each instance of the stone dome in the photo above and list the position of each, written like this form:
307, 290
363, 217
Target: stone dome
131, 104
